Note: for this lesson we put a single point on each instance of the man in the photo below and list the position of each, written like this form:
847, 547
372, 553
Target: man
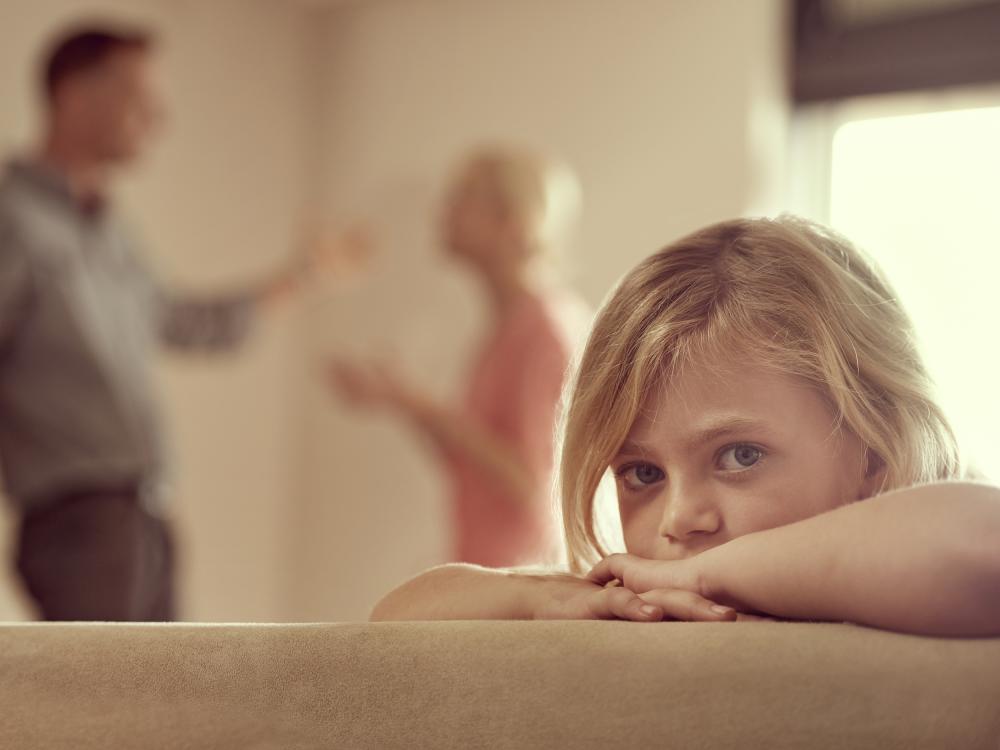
79, 315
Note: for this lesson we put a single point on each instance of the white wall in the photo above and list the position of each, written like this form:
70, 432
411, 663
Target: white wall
290, 507
672, 112
220, 202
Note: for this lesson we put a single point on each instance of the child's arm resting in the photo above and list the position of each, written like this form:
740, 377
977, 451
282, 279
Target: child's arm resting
456, 592
469, 592
922, 560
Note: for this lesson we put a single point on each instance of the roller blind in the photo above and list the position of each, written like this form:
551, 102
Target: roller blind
905, 47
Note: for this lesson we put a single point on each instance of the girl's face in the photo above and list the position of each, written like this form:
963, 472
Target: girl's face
727, 449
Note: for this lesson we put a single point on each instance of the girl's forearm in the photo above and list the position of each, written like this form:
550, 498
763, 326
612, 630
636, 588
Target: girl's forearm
921, 560
460, 592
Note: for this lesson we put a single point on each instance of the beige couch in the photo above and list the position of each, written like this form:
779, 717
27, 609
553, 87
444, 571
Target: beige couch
497, 684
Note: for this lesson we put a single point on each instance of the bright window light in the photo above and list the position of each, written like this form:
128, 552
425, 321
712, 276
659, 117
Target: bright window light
921, 193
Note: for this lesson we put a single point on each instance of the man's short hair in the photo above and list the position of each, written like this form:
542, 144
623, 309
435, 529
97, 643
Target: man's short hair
85, 48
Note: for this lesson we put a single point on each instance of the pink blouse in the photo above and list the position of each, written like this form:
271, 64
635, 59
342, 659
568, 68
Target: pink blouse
513, 392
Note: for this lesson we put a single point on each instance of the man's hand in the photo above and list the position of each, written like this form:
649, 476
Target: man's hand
337, 256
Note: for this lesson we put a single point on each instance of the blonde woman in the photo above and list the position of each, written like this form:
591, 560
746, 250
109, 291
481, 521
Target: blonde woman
755, 392
507, 211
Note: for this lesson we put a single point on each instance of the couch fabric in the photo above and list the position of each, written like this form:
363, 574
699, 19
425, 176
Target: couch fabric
494, 684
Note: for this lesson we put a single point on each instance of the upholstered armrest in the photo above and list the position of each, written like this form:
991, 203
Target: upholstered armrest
494, 684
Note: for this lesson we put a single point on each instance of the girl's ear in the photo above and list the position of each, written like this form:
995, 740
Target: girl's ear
874, 475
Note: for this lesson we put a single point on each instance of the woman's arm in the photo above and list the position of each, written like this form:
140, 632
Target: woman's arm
469, 592
459, 437
921, 560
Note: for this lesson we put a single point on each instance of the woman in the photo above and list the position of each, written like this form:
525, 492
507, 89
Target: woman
507, 211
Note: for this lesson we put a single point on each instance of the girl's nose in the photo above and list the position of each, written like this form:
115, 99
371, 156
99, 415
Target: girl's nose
688, 513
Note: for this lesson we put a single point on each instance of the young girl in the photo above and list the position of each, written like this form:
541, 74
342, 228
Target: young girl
506, 212
756, 391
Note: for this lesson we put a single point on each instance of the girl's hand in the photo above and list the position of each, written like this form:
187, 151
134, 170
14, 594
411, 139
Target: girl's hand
678, 600
570, 598
671, 584
642, 575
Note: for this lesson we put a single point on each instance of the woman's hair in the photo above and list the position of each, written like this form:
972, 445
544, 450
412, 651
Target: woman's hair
784, 293
543, 193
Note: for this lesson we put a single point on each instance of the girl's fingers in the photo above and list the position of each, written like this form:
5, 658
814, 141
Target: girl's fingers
679, 604
622, 604
611, 567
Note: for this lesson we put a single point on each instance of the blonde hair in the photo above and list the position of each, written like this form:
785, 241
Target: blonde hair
541, 192
784, 292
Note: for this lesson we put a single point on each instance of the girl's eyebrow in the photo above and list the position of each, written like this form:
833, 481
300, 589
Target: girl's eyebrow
634, 448
721, 427
712, 430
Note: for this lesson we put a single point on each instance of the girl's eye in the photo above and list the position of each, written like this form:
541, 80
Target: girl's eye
739, 457
639, 476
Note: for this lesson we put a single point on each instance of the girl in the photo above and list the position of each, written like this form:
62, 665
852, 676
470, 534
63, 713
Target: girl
506, 212
757, 394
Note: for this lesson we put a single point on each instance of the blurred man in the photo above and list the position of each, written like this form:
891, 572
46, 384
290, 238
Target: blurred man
80, 439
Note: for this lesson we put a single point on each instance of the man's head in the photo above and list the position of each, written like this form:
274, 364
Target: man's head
100, 93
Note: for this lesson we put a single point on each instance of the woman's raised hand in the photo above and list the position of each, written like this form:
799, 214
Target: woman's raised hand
369, 384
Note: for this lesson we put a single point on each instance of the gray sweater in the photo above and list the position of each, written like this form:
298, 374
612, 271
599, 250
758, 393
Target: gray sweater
79, 318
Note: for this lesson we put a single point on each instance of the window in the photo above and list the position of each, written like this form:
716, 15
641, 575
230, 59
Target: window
916, 182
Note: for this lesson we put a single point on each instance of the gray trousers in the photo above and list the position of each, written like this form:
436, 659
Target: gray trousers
97, 556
